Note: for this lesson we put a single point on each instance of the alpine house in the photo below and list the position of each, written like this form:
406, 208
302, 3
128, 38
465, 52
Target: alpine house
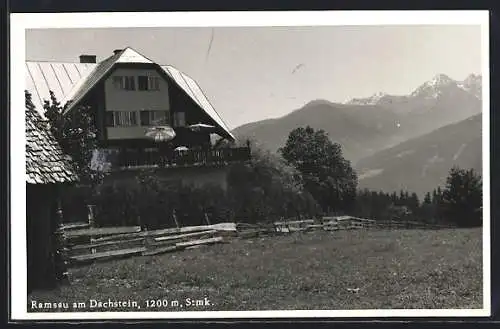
147, 115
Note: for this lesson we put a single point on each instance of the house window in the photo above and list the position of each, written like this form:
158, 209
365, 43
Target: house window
142, 82
150, 118
148, 83
179, 119
129, 83
124, 82
121, 118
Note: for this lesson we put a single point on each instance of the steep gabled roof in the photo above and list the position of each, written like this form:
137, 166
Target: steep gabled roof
45, 161
127, 55
70, 89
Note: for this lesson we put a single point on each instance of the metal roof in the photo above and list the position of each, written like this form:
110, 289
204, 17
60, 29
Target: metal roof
70, 82
193, 90
61, 78
45, 160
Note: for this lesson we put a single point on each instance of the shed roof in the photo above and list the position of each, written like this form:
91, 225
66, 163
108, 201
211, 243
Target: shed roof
70, 82
45, 161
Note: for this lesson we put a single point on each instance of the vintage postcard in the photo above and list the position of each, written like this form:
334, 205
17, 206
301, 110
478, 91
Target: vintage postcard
230, 165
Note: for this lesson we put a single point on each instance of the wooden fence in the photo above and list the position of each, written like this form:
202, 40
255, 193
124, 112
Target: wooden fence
85, 244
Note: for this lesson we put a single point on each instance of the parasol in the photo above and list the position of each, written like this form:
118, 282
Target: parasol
201, 127
161, 133
181, 148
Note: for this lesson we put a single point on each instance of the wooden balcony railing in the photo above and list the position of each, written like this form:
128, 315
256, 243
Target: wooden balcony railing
157, 158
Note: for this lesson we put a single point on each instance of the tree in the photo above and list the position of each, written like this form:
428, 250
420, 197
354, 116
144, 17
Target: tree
326, 174
394, 197
266, 188
426, 211
427, 198
462, 198
413, 202
437, 195
77, 135
403, 198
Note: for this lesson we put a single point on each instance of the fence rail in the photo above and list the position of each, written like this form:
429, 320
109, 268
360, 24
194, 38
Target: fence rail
87, 244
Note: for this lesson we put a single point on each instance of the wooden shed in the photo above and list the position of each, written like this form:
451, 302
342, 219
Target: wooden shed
47, 171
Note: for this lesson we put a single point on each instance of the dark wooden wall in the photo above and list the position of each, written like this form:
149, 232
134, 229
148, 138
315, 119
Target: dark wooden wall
41, 207
180, 102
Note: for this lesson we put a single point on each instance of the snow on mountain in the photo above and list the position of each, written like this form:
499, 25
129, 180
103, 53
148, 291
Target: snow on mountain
473, 85
431, 89
434, 88
372, 100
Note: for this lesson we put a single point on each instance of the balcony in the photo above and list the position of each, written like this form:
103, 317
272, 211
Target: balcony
155, 158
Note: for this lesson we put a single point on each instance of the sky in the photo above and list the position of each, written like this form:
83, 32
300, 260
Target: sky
256, 73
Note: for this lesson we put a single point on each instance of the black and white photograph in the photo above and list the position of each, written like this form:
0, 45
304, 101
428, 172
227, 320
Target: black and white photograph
246, 165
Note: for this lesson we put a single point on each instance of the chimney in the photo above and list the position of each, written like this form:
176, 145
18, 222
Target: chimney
88, 58
116, 51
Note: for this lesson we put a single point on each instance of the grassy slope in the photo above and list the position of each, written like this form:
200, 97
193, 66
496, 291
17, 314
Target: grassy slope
393, 269
433, 154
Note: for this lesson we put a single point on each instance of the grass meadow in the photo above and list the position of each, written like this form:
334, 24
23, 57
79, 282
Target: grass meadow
343, 270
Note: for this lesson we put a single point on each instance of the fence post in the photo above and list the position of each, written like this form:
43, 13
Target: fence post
206, 218
174, 215
60, 247
91, 218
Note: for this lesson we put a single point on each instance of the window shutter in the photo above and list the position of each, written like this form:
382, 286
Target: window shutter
121, 118
118, 82
133, 118
154, 83
132, 83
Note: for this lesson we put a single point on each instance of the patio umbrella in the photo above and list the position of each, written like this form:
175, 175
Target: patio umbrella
181, 148
161, 133
201, 127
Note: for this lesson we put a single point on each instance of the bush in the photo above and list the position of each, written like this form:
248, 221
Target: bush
115, 206
266, 189
74, 201
151, 202
262, 190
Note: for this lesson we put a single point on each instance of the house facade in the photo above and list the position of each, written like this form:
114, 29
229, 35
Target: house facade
130, 97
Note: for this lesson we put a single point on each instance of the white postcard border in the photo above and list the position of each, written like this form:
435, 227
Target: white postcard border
20, 22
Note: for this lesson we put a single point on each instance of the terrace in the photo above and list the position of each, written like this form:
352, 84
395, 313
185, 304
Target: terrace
157, 158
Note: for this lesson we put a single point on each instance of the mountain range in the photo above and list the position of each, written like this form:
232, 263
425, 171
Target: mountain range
394, 141
423, 163
431, 89
366, 126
